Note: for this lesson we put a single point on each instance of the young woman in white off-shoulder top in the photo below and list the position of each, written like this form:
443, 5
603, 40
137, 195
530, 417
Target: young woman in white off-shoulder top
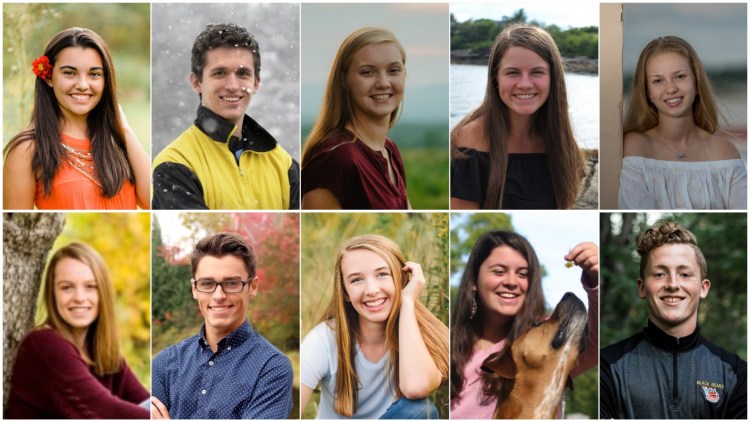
675, 156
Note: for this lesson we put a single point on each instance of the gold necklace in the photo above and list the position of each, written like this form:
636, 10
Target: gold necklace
81, 161
680, 155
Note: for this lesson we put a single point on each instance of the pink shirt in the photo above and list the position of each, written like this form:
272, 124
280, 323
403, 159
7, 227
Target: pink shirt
469, 403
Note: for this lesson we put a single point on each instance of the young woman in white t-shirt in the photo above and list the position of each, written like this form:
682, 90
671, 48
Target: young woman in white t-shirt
378, 351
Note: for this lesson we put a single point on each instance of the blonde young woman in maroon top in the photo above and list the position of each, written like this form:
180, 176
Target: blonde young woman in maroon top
347, 161
72, 366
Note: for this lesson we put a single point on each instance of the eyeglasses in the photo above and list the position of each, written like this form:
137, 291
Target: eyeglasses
229, 286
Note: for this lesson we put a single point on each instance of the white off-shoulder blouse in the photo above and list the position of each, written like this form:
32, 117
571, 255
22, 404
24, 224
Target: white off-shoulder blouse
647, 183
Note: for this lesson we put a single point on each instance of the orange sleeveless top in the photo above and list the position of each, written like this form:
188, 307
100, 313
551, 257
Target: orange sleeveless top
71, 189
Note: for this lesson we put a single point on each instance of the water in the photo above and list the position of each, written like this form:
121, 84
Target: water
468, 83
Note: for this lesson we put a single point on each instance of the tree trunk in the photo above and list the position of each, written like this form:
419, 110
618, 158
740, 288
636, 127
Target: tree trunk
27, 239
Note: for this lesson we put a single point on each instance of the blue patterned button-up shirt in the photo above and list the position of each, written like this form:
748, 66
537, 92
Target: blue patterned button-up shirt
246, 377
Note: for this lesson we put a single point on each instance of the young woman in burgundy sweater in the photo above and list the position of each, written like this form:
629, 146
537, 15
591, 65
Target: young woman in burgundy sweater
71, 366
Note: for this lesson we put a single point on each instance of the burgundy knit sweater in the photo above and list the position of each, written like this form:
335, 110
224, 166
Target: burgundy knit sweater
51, 380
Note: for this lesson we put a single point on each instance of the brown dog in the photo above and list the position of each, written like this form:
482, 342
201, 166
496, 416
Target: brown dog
536, 367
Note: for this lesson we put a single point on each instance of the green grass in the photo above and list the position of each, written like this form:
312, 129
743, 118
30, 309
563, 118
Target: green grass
427, 177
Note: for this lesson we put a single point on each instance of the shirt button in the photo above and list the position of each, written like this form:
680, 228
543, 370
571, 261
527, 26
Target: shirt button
229, 348
203, 392
210, 363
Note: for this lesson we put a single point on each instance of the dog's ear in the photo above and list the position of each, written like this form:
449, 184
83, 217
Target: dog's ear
501, 363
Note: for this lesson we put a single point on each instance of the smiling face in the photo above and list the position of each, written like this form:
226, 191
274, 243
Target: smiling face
502, 282
523, 80
672, 287
223, 313
375, 81
228, 82
77, 81
368, 284
76, 294
671, 84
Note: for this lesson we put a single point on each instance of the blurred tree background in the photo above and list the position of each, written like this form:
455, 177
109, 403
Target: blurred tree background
28, 27
423, 238
465, 231
722, 237
477, 35
123, 240
273, 312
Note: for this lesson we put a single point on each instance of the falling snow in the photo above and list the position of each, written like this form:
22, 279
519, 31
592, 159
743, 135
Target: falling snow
275, 105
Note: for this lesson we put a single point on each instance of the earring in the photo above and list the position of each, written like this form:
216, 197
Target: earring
473, 311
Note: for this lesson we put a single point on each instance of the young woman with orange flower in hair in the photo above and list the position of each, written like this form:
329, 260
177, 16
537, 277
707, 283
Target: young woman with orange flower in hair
78, 151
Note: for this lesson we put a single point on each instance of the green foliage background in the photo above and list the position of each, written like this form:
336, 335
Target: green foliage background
273, 312
478, 35
123, 240
423, 237
465, 231
722, 237
28, 27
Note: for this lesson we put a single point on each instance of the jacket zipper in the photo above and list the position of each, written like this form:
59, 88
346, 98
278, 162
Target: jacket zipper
674, 371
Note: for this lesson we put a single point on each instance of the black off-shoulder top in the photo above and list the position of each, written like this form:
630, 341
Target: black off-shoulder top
528, 184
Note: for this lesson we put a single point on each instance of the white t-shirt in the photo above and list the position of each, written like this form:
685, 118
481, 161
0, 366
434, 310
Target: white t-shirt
319, 365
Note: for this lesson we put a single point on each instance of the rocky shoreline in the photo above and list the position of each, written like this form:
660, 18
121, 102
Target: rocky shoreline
572, 64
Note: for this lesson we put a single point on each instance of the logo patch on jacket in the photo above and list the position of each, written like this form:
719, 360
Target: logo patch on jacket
712, 395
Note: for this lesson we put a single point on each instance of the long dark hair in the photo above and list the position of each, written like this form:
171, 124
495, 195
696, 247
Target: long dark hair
552, 120
111, 165
466, 330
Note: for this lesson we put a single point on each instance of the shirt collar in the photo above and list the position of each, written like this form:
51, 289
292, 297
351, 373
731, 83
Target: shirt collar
236, 338
663, 340
219, 129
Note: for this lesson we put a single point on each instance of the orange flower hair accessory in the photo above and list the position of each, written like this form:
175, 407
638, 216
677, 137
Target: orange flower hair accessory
41, 67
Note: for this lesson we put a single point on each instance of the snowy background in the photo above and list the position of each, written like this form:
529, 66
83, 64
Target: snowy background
275, 106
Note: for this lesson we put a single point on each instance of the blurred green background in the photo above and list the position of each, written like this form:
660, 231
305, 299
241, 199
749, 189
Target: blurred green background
28, 27
722, 237
126, 255
273, 312
423, 238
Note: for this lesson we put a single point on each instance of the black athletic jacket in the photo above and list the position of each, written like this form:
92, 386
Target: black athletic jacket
654, 375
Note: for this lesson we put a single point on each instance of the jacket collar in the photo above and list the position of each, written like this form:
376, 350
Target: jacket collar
253, 136
665, 341
234, 339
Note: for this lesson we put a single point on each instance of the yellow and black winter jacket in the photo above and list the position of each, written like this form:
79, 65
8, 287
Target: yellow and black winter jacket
207, 168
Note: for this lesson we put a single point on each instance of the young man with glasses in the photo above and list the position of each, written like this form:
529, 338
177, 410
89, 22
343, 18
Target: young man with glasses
227, 370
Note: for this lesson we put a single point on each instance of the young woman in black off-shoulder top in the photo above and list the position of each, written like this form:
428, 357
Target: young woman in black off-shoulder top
517, 149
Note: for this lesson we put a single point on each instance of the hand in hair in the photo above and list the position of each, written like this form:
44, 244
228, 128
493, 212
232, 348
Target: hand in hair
158, 410
416, 283
586, 255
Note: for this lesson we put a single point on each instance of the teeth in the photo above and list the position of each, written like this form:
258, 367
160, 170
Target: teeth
507, 295
80, 97
672, 299
674, 100
375, 303
231, 98
219, 308
525, 96
381, 97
